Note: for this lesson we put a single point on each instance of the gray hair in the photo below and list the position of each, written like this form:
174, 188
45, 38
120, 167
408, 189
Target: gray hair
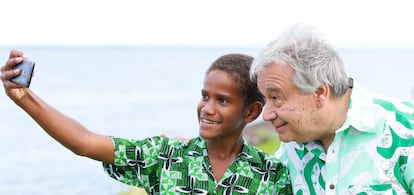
314, 61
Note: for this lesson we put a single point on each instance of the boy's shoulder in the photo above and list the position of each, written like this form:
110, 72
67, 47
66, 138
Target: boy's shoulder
258, 156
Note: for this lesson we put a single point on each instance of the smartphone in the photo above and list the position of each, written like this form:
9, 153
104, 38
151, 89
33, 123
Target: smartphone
25, 76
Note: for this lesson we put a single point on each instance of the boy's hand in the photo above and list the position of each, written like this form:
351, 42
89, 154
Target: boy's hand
13, 90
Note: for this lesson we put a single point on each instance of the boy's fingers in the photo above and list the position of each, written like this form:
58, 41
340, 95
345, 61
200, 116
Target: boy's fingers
16, 53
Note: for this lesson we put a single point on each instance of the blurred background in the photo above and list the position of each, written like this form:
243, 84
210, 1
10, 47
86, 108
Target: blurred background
135, 69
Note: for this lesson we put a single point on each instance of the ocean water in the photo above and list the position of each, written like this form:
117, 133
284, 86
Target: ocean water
134, 92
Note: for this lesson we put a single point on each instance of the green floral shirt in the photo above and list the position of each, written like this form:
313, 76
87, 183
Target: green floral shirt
167, 166
372, 153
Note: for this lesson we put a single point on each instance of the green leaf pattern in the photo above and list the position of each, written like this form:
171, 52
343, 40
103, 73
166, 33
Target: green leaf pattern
372, 153
167, 166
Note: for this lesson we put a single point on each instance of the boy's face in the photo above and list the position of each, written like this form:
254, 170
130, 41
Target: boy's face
220, 110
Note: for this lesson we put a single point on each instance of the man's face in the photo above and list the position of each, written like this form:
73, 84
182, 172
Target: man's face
293, 114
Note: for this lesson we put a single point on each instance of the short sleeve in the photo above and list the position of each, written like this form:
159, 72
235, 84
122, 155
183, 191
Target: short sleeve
409, 171
135, 161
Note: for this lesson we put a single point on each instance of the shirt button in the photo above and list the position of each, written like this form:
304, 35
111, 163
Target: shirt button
331, 186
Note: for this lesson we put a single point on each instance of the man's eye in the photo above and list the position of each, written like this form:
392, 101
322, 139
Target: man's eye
275, 98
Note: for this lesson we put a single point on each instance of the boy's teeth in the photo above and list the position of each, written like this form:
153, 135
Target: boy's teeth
208, 121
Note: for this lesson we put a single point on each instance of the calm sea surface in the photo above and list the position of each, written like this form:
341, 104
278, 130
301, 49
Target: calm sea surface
134, 92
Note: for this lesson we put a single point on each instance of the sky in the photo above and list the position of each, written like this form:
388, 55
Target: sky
350, 23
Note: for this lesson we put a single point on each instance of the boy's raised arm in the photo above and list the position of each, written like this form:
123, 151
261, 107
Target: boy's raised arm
64, 129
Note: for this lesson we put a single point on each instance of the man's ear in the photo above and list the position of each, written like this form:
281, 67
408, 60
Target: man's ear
253, 111
321, 95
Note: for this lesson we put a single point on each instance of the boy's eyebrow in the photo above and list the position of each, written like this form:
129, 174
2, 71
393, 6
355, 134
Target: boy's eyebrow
220, 95
225, 96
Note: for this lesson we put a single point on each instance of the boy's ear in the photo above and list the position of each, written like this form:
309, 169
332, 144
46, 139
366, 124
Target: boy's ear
253, 111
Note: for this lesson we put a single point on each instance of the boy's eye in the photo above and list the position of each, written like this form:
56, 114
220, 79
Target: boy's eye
224, 101
204, 97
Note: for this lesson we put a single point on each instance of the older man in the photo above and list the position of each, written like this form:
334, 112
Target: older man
338, 137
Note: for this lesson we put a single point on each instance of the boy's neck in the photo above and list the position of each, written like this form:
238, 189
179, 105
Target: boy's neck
221, 154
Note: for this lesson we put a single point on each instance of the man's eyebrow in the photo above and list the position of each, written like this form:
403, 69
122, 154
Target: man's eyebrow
273, 88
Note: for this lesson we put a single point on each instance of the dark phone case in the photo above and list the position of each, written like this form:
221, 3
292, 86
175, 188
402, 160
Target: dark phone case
25, 75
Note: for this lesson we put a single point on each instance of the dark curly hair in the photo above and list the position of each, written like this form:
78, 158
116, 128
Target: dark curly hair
238, 67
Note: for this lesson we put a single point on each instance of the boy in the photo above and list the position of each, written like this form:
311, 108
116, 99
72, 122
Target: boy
217, 162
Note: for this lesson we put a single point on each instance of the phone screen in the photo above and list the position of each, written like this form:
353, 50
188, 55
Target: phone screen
25, 76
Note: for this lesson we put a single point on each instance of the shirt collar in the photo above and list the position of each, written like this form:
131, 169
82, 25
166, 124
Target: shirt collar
362, 115
247, 153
